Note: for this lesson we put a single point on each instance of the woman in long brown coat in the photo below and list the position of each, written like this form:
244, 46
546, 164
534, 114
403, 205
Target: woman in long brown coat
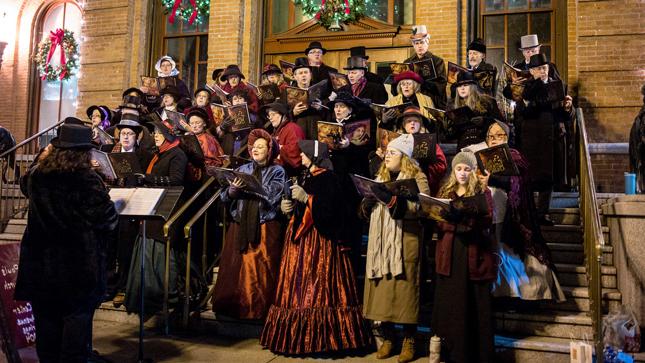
391, 293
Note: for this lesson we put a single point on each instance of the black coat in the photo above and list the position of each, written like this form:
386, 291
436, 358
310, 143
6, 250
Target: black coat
321, 73
169, 170
474, 131
434, 88
62, 254
374, 92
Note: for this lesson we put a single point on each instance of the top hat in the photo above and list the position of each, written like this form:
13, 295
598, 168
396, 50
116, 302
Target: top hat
346, 98
73, 136
358, 52
529, 41
315, 45
419, 32
537, 60
231, 70
356, 62
271, 68
465, 78
130, 121
301, 62
478, 44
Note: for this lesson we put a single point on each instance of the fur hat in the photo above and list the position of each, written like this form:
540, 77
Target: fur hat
478, 45
403, 143
464, 157
317, 152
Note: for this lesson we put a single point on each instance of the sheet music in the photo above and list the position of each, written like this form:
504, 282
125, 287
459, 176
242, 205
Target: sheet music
138, 201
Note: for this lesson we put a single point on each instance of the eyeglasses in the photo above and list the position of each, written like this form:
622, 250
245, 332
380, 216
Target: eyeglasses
406, 83
315, 52
128, 134
498, 137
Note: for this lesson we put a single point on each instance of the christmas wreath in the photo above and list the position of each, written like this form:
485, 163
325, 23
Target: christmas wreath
328, 12
68, 55
197, 11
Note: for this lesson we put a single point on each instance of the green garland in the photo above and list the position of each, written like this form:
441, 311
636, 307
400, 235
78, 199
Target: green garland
185, 11
50, 73
332, 10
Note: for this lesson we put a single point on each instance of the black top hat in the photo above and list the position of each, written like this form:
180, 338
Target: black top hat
130, 121
231, 70
465, 78
358, 52
315, 45
271, 68
348, 99
478, 44
216, 73
356, 62
73, 136
132, 89
301, 62
164, 127
538, 60
199, 112
280, 107
170, 90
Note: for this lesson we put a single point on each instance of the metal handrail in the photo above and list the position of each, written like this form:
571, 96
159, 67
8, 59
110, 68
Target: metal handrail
594, 241
166, 234
31, 138
189, 239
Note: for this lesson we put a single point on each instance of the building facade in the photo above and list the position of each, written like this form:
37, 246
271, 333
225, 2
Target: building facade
596, 44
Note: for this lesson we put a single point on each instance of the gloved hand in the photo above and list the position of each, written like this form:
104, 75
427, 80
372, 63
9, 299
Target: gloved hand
226, 124
286, 206
298, 193
382, 193
389, 116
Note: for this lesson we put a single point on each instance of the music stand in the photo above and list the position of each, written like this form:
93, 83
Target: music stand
161, 211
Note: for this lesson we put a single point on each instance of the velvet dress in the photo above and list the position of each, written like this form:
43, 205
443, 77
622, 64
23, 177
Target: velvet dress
316, 307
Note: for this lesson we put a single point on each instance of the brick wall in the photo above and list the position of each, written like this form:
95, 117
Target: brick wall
440, 16
606, 38
609, 172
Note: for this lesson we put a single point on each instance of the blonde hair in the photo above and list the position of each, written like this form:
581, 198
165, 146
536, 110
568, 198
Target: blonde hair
476, 100
409, 168
416, 86
449, 186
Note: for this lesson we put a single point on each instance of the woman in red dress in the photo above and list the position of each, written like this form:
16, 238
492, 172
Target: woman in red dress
316, 307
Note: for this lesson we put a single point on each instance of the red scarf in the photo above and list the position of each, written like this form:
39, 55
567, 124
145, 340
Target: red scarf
357, 87
162, 149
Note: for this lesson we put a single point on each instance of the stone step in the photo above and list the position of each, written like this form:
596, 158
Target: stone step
16, 226
556, 324
567, 233
575, 275
570, 216
10, 237
571, 253
577, 300
512, 349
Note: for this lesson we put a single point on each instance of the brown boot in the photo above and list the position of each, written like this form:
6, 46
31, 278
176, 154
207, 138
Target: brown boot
407, 350
385, 351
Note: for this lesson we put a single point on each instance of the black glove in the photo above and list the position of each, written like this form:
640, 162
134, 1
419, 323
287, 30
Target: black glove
226, 124
382, 193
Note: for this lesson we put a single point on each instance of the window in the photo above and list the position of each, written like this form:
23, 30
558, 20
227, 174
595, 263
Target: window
505, 21
188, 45
58, 98
284, 14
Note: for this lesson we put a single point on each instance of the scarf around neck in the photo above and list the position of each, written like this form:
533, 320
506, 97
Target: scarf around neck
162, 149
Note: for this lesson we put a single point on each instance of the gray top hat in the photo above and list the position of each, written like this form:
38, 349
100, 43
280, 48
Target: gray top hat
529, 41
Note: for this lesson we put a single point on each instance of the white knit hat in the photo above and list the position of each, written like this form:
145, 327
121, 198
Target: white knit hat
403, 143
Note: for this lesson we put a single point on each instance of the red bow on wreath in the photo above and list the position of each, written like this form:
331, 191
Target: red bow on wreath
171, 18
322, 6
56, 39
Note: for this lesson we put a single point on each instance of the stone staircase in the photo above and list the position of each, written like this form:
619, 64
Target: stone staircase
537, 331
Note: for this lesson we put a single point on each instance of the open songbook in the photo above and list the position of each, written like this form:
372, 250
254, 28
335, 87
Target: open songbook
226, 176
434, 208
407, 188
137, 201
297, 95
239, 114
116, 165
497, 160
516, 79
338, 80
380, 110
332, 133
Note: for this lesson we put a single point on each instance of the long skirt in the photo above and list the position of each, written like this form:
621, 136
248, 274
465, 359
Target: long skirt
316, 306
462, 314
246, 279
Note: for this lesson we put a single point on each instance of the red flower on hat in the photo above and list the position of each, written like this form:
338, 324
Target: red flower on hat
408, 75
